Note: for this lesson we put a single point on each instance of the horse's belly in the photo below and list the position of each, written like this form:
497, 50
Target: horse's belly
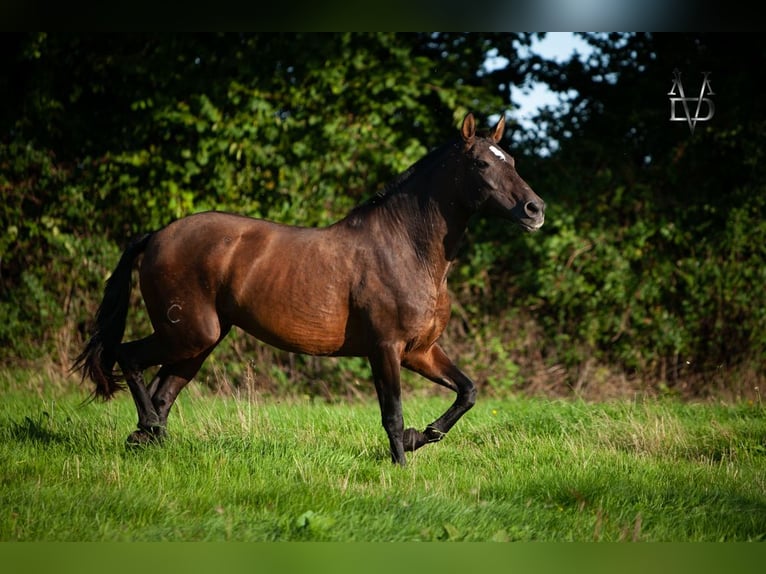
294, 324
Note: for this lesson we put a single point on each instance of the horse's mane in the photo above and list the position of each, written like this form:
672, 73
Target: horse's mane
397, 186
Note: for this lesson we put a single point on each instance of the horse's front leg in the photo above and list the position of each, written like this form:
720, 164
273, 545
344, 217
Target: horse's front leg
434, 364
386, 370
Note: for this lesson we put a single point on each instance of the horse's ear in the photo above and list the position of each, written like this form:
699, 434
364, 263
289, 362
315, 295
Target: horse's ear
497, 133
468, 130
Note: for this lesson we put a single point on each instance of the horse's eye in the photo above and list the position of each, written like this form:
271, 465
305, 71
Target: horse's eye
480, 163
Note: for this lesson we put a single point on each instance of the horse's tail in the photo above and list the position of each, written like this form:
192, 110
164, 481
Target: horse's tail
100, 354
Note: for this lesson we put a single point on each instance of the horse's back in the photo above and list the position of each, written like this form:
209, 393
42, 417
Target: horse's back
286, 285
323, 291
196, 251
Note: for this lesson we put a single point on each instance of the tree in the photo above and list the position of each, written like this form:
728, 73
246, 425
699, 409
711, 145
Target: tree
106, 136
656, 253
651, 263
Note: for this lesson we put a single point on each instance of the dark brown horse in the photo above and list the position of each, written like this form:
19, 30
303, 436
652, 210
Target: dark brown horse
374, 284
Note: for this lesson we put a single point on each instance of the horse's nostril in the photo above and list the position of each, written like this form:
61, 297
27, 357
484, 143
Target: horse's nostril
532, 208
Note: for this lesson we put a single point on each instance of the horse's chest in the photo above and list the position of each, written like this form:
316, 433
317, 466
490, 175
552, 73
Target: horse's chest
424, 321
406, 307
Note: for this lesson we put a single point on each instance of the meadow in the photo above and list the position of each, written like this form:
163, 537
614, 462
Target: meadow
258, 469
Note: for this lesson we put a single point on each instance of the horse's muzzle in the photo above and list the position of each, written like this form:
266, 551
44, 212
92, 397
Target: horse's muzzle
534, 215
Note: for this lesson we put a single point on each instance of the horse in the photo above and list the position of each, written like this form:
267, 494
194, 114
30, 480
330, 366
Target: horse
373, 284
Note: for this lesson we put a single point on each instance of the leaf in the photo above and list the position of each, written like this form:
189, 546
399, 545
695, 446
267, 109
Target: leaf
451, 532
314, 522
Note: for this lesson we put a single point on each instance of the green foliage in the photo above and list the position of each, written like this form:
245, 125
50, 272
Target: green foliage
651, 263
655, 290
144, 130
651, 260
680, 281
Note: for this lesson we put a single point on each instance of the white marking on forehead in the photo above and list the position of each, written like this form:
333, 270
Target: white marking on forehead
498, 152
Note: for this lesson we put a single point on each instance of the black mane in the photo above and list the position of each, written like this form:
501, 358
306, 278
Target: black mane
398, 186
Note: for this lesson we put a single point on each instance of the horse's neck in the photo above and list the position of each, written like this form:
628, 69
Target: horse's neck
422, 208
433, 226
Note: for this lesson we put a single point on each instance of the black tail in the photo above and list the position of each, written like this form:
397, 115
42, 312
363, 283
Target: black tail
100, 354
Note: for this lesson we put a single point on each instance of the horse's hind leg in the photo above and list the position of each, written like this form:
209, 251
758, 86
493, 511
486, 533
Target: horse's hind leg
179, 366
133, 357
171, 379
436, 366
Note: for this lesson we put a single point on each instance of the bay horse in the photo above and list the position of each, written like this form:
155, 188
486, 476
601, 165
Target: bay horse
373, 284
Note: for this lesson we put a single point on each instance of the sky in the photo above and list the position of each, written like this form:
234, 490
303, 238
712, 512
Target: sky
558, 46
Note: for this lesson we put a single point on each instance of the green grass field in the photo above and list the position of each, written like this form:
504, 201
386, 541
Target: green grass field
251, 469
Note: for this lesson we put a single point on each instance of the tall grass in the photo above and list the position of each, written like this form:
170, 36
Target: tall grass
249, 469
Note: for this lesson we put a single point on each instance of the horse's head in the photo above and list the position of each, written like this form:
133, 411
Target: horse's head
493, 183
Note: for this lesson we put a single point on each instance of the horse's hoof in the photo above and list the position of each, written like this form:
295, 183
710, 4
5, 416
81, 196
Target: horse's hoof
413, 439
138, 438
141, 437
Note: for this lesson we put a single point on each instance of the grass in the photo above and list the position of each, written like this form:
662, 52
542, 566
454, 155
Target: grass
250, 469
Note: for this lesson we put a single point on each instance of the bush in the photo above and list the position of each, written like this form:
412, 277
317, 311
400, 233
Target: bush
651, 265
